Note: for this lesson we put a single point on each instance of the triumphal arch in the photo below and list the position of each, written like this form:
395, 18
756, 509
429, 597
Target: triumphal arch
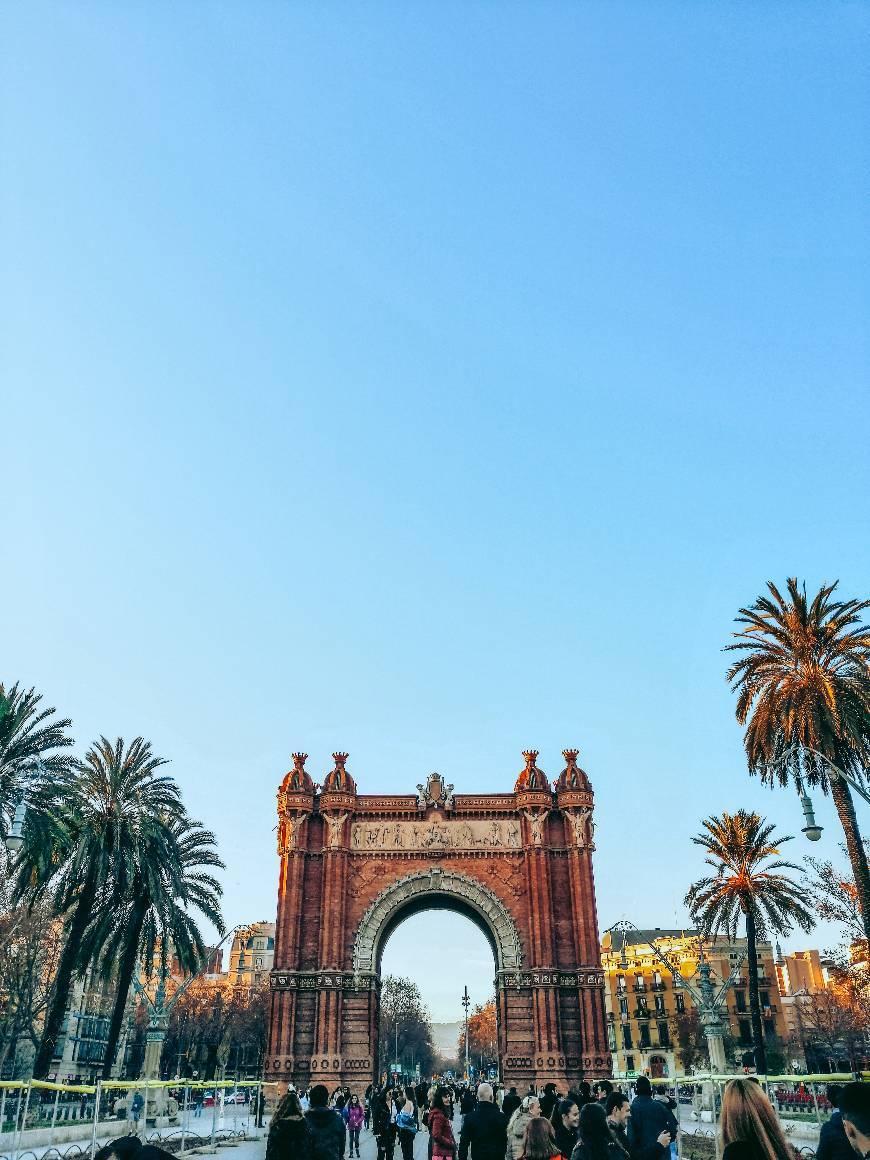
354, 866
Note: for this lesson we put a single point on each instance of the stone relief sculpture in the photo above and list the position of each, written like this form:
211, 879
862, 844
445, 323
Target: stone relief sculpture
335, 823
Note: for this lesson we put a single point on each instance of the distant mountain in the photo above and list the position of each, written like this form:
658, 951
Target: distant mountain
445, 1036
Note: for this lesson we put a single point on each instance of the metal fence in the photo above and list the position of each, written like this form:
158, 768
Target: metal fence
56, 1121
800, 1101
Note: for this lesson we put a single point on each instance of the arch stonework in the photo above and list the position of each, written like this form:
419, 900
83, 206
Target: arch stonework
436, 886
353, 866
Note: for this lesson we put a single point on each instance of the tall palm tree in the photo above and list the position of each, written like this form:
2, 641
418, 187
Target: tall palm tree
28, 732
804, 680
747, 882
170, 884
104, 809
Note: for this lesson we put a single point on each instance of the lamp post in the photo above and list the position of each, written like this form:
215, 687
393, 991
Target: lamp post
709, 1002
159, 1010
466, 1003
812, 829
15, 837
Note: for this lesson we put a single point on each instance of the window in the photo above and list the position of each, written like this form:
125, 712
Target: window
660, 1004
680, 1001
740, 1000
745, 1033
639, 983
620, 984
626, 1038
623, 1007
641, 1002
645, 1040
765, 998
769, 1028
611, 1037
629, 1063
664, 1035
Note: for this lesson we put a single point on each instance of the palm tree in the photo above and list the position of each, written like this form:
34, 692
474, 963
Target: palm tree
103, 811
28, 733
155, 919
747, 882
804, 681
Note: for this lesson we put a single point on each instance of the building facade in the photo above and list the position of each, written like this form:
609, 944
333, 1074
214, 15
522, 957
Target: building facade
252, 954
646, 1002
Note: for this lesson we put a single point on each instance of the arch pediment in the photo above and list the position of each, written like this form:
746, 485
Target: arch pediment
442, 886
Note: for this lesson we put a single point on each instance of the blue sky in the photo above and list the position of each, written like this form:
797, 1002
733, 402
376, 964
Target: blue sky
431, 382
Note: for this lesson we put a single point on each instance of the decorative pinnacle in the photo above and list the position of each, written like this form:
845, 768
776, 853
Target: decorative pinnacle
340, 758
299, 760
530, 755
571, 755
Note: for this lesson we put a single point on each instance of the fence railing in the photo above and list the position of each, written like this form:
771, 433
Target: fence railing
40, 1120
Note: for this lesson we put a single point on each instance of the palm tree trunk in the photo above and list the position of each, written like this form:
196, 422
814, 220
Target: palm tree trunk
125, 976
857, 854
754, 1001
63, 980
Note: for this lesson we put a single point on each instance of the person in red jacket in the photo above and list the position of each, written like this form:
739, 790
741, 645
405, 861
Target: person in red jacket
440, 1129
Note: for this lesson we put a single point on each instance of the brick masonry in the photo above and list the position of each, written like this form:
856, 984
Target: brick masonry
353, 866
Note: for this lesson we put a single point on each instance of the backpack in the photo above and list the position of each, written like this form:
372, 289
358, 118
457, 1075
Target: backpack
405, 1122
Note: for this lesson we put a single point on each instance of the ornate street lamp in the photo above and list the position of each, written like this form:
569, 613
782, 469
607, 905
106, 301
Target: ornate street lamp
466, 1003
709, 1001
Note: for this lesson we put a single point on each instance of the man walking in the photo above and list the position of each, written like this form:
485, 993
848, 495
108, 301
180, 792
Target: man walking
484, 1130
618, 1111
649, 1118
328, 1133
510, 1103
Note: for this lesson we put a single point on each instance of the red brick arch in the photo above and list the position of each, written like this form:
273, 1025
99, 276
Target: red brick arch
354, 866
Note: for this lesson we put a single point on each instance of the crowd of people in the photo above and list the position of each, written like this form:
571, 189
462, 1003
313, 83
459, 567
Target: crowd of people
589, 1123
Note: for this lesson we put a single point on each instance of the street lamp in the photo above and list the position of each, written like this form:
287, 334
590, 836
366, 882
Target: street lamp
15, 837
812, 829
466, 1003
709, 1002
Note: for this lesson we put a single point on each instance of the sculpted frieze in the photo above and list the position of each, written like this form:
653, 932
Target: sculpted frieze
441, 834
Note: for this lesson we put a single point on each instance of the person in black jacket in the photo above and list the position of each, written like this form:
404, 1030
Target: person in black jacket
510, 1103
618, 1112
381, 1126
649, 1118
289, 1134
566, 1118
595, 1139
833, 1141
328, 1133
484, 1130
548, 1100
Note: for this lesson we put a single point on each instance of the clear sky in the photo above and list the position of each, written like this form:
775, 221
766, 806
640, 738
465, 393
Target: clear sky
430, 381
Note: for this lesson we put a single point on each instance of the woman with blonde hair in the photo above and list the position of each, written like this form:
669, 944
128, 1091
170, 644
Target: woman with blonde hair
750, 1127
516, 1130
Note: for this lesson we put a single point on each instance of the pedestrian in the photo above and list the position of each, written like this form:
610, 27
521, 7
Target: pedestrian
289, 1135
510, 1103
136, 1105
749, 1125
549, 1100
304, 1101
649, 1117
602, 1090
529, 1109
367, 1106
833, 1141
595, 1141
467, 1102
539, 1140
440, 1129
328, 1133
584, 1093
618, 1112
566, 1117
381, 1123
484, 1130
855, 1110
355, 1117
407, 1124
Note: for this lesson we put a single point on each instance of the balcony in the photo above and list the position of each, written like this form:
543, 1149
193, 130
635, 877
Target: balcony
661, 986
611, 1018
641, 1013
639, 988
